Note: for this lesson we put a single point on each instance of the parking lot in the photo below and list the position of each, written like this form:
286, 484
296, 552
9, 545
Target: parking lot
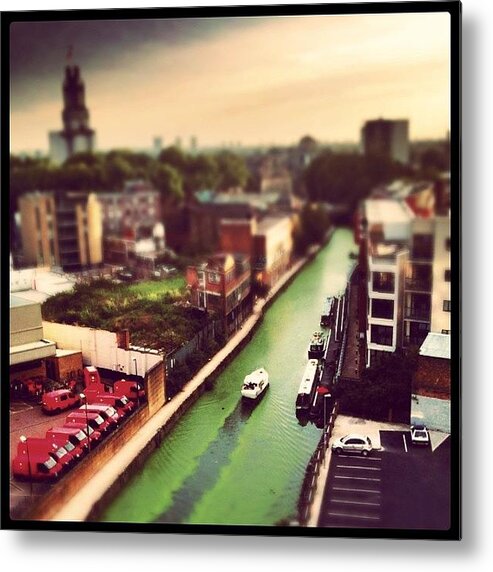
26, 418
398, 486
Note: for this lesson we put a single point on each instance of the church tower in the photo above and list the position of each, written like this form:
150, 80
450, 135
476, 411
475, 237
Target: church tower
76, 135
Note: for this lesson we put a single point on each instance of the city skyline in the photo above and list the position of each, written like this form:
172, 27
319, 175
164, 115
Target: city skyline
254, 80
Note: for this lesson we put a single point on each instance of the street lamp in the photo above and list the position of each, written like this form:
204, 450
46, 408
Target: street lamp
325, 422
83, 398
136, 383
23, 439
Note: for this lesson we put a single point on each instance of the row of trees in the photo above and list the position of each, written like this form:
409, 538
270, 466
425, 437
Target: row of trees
174, 173
346, 179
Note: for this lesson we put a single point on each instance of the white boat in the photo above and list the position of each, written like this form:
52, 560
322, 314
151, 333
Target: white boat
255, 384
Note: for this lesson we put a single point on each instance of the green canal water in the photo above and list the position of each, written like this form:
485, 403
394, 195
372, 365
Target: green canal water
223, 463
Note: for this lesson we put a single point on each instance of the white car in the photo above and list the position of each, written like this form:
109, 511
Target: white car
420, 435
353, 444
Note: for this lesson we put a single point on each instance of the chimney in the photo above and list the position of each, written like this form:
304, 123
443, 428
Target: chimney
123, 339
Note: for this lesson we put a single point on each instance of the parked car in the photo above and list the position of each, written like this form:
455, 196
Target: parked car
353, 444
420, 435
59, 400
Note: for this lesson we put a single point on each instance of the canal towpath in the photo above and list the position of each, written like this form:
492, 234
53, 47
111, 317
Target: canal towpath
79, 507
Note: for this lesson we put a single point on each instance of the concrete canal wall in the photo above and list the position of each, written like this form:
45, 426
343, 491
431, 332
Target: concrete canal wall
108, 477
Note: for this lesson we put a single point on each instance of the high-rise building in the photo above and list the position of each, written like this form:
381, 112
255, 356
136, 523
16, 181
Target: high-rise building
61, 229
386, 138
38, 229
76, 135
157, 146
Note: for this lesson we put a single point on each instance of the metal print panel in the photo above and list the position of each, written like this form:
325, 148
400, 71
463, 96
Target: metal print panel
234, 270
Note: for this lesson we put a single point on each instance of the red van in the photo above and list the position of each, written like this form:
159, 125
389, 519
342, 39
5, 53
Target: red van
89, 418
107, 412
70, 437
59, 400
121, 403
35, 461
130, 389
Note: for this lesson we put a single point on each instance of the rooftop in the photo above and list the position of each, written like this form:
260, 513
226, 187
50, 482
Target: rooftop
436, 345
385, 211
270, 222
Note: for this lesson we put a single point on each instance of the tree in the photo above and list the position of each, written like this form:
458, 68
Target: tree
201, 172
313, 225
174, 157
345, 179
232, 170
169, 183
118, 169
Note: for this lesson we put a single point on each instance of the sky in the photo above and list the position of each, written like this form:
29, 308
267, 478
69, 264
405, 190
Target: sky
254, 80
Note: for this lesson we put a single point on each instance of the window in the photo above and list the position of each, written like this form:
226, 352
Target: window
446, 305
383, 282
382, 309
447, 275
213, 277
38, 217
381, 335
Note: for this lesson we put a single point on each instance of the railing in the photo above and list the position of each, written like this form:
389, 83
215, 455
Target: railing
417, 313
421, 255
417, 284
309, 485
381, 340
383, 287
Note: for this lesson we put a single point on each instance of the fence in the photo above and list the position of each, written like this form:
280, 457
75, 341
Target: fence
309, 485
198, 342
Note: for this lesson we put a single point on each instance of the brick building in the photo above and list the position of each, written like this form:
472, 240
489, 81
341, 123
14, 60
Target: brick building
28, 346
268, 242
221, 285
430, 401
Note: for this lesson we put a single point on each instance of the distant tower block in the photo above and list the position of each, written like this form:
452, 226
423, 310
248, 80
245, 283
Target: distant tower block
157, 146
386, 138
76, 135
178, 142
193, 144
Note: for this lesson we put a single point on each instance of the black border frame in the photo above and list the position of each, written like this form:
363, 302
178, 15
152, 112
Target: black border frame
454, 8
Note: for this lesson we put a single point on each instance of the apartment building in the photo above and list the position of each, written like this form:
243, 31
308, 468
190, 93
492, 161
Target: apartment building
39, 233
61, 229
132, 225
388, 232
441, 294
408, 274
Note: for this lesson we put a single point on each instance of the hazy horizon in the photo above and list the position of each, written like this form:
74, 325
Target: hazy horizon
258, 81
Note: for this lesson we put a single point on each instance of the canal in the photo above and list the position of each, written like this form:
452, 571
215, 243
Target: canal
224, 463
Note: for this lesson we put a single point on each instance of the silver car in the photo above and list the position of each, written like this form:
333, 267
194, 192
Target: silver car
353, 444
420, 435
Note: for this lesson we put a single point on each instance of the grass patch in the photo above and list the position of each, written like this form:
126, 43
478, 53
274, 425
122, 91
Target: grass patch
151, 311
154, 289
